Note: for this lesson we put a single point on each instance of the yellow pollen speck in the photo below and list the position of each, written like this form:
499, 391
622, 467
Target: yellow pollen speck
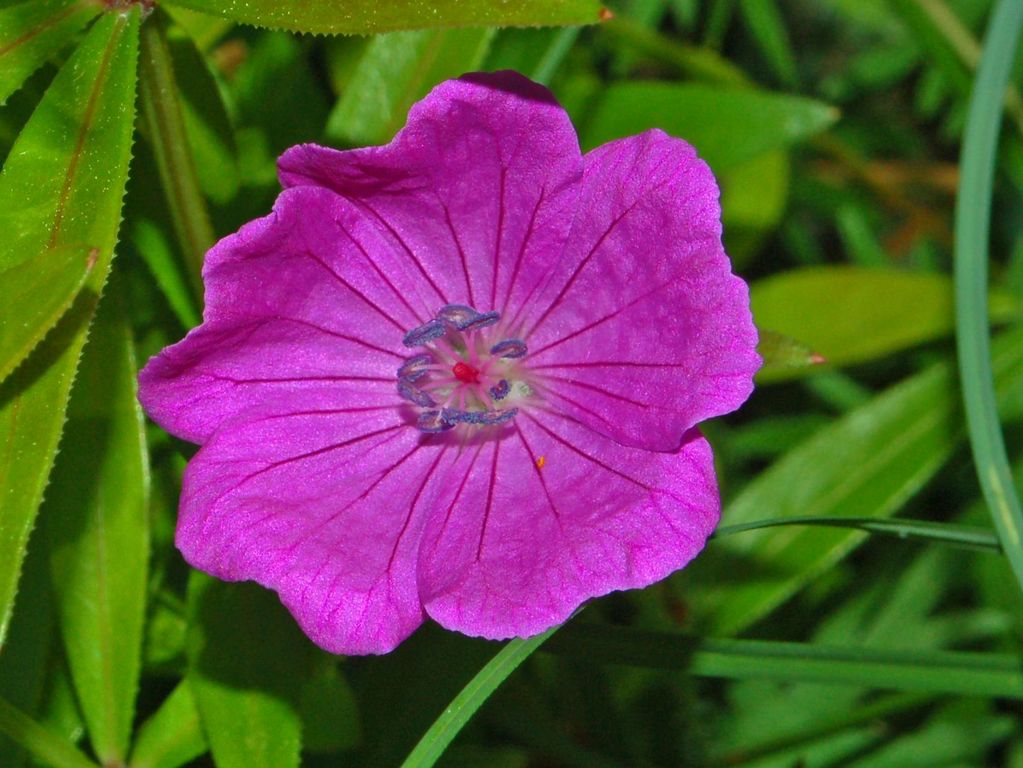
540, 462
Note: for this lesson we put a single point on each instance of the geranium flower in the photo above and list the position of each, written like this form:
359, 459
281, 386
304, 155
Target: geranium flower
459, 375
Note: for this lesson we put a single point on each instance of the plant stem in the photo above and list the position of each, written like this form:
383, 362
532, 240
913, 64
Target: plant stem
165, 126
972, 227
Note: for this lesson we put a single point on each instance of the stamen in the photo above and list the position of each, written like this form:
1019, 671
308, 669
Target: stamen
457, 315
459, 379
414, 394
481, 321
415, 367
434, 421
425, 333
500, 390
509, 348
493, 418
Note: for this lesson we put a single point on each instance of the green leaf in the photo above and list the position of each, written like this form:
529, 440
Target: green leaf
32, 32
976, 674
37, 293
45, 746
62, 185
464, 706
248, 662
851, 314
753, 199
155, 249
330, 710
173, 735
362, 17
728, 126
28, 652
96, 517
397, 70
865, 465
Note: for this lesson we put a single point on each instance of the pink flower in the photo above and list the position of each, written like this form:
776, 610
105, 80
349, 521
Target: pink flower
459, 375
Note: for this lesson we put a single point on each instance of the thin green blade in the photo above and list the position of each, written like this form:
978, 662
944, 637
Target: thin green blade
965, 674
972, 228
363, 17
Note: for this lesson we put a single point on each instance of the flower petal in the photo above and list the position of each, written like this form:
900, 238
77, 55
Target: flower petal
479, 184
642, 331
269, 366
325, 507
297, 301
530, 526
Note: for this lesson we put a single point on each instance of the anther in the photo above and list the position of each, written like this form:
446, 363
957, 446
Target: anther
414, 368
457, 315
509, 348
425, 333
414, 394
433, 421
483, 320
500, 390
493, 418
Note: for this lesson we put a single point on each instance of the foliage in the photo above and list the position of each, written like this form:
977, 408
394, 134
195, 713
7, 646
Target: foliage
828, 623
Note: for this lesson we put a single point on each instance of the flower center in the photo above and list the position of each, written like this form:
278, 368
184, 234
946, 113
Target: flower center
462, 376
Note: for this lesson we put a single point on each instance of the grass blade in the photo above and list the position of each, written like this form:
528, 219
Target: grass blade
972, 224
464, 706
965, 674
942, 533
164, 119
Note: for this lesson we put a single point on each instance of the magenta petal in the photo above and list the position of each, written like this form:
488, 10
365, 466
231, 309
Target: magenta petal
269, 366
294, 303
323, 506
532, 525
642, 331
480, 184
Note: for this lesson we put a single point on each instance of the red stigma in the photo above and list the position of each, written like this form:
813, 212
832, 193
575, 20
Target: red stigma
465, 373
